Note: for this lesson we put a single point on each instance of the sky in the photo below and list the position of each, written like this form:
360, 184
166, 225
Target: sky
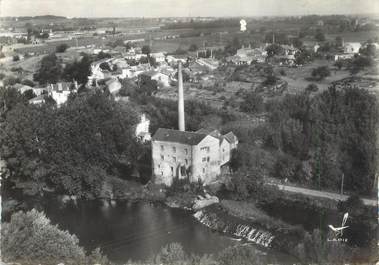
183, 8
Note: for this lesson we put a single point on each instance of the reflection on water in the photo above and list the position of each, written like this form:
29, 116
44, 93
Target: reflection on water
136, 230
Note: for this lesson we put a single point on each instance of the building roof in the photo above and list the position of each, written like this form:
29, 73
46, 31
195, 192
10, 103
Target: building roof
230, 137
111, 81
169, 135
214, 133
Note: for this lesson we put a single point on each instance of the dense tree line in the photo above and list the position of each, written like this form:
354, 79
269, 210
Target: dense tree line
71, 148
326, 136
51, 70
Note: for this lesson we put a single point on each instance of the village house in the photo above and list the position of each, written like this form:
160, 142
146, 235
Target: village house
210, 63
351, 47
38, 100
162, 78
247, 55
60, 91
349, 50
113, 85
174, 59
159, 57
142, 129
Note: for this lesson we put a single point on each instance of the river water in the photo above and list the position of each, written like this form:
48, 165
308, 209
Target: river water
137, 231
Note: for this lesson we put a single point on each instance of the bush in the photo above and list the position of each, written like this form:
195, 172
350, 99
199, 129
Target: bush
27, 82
16, 58
61, 48
30, 238
321, 72
253, 103
312, 88
241, 255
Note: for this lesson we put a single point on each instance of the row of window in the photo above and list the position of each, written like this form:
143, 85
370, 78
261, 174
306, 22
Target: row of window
205, 148
174, 149
206, 159
174, 159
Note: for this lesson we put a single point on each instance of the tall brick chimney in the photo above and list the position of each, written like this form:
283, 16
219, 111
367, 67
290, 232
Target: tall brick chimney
181, 123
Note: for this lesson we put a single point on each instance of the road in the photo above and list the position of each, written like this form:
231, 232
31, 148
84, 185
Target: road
322, 194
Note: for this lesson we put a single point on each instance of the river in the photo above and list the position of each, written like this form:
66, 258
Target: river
139, 230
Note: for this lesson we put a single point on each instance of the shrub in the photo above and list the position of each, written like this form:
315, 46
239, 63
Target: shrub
30, 238
312, 88
321, 72
61, 48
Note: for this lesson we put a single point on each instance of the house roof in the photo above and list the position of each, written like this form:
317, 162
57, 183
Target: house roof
169, 135
214, 133
230, 137
111, 81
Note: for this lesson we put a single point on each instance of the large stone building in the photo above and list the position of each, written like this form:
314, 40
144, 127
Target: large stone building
196, 155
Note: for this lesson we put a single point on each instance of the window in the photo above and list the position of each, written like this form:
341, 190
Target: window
159, 165
186, 161
204, 159
203, 170
174, 149
205, 148
172, 171
208, 159
174, 158
162, 147
162, 157
186, 151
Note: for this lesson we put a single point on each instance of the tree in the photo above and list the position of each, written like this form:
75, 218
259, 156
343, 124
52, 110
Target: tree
171, 254
146, 85
61, 48
105, 66
103, 55
46, 146
240, 255
297, 42
303, 56
193, 47
28, 82
312, 88
319, 36
16, 58
339, 41
369, 50
146, 49
30, 238
320, 72
339, 64
274, 49
50, 70
252, 103
359, 63
78, 71
29, 94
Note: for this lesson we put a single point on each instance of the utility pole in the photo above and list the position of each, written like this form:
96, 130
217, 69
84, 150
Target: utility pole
342, 180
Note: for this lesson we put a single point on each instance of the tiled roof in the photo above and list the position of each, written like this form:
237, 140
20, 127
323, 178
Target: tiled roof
169, 135
214, 133
230, 137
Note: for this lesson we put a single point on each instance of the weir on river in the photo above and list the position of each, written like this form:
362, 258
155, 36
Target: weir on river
251, 234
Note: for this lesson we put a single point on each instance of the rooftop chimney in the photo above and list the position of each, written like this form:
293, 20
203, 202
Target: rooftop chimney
180, 99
